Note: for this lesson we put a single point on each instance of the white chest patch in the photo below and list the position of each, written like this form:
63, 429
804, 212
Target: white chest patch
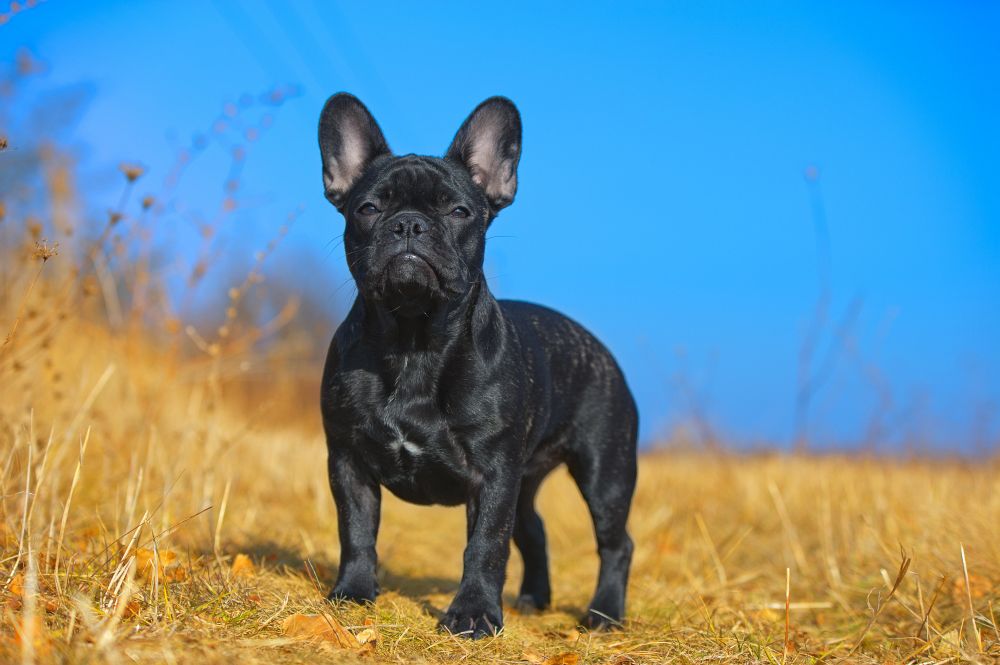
408, 446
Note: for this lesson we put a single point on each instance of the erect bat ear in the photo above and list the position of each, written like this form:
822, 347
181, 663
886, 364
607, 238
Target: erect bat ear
488, 144
349, 140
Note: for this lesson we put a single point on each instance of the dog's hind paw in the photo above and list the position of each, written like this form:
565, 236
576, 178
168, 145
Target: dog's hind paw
529, 604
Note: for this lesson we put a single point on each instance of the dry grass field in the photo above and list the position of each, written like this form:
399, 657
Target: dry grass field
147, 517
164, 500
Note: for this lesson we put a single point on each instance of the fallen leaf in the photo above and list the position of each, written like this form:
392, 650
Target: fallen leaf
368, 637
535, 658
85, 538
132, 608
150, 562
319, 627
242, 566
175, 574
952, 641
568, 658
623, 659
16, 590
16, 586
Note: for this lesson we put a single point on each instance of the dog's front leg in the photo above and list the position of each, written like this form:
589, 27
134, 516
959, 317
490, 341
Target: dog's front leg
476, 609
358, 498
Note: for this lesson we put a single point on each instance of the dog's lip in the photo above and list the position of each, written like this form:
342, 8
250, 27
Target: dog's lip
409, 261
410, 255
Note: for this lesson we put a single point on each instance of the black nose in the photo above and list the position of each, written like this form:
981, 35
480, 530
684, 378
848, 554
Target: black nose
409, 226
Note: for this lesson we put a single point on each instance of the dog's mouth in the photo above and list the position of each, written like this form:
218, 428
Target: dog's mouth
408, 276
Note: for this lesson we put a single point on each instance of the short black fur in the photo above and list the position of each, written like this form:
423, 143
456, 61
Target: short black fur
441, 393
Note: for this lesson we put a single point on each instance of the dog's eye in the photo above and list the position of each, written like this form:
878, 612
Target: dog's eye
460, 212
367, 209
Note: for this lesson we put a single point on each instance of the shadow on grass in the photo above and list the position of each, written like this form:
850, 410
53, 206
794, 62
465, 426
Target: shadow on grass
281, 557
415, 587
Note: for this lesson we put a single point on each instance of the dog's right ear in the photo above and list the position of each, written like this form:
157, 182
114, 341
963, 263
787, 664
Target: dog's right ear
488, 144
349, 140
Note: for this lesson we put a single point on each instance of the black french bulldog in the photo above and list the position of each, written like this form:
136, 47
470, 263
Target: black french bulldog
445, 395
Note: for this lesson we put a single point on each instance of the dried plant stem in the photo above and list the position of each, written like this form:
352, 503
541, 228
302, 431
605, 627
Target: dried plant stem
786, 522
788, 615
926, 621
30, 498
20, 310
720, 570
881, 605
968, 593
216, 542
65, 514
24, 511
126, 564
993, 620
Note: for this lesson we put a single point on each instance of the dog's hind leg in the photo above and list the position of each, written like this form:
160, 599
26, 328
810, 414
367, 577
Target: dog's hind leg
529, 537
605, 472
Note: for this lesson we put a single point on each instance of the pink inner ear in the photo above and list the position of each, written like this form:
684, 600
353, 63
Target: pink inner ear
344, 168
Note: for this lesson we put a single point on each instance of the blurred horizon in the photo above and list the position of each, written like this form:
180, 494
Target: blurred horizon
744, 203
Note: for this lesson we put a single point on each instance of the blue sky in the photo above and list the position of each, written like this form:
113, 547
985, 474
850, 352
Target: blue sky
662, 195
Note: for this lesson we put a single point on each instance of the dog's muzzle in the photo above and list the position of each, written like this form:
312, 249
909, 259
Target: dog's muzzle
409, 276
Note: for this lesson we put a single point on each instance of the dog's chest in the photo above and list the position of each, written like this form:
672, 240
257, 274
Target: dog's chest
418, 454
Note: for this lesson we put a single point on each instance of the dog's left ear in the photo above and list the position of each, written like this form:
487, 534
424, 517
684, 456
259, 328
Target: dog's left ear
349, 141
488, 144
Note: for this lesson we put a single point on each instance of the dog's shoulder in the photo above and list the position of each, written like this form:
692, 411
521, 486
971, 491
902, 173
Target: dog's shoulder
563, 343
537, 321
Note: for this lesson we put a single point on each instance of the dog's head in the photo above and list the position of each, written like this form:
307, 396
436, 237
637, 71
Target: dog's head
416, 226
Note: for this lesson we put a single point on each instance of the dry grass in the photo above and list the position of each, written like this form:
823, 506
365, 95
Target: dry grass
164, 500
167, 469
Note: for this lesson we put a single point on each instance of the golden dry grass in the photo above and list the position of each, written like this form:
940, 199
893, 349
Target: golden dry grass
180, 462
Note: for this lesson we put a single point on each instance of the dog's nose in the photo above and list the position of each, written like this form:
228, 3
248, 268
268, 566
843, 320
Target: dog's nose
409, 226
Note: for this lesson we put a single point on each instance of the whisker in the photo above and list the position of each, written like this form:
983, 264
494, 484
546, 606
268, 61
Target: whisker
359, 249
349, 280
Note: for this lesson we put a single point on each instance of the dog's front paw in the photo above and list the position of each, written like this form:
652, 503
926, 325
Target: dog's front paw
353, 593
472, 620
